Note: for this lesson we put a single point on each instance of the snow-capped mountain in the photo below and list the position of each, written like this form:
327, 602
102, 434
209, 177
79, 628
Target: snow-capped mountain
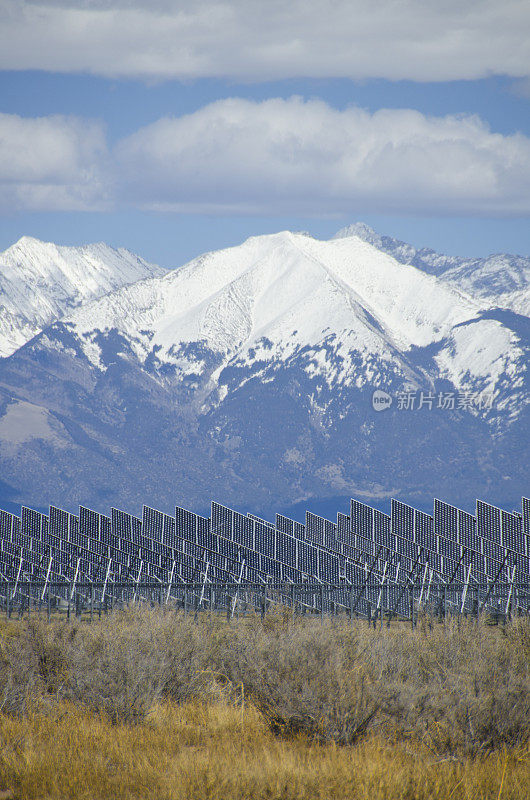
40, 282
351, 310
497, 281
249, 374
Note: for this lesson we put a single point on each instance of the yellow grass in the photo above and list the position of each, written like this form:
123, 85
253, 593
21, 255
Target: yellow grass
197, 751
148, 704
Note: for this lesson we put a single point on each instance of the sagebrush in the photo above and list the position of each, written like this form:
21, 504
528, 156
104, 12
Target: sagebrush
462, 687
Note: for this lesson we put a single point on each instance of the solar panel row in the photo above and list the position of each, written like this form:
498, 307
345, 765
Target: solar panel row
380, 551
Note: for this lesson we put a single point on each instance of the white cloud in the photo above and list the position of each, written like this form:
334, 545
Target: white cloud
51, 163
421, 40
272, 157
291, 156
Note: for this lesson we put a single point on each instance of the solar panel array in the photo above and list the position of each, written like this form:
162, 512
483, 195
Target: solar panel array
367, 561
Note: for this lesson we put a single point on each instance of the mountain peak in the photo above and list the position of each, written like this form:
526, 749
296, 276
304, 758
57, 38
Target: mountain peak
362, 231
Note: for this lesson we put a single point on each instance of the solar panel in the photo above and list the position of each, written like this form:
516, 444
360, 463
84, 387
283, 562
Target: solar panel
489, 522
32, 522
290, 526
7, 521
512, 531
502, 534
152, 523
402, 520
321, 531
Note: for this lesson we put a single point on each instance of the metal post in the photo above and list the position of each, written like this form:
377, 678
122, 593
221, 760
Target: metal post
170, 582
72, 590
104, 596
49, 604
236, 596
420, 600
263, 601
466, 586
47, 575
203, 587
137, 580
509, 598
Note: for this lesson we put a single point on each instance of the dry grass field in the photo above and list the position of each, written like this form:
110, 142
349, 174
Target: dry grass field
148, 704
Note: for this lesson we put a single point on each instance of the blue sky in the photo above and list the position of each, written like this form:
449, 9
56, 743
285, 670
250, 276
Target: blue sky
172, 128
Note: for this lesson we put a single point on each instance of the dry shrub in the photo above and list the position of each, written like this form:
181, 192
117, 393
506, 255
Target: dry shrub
120, 669
32, 663
465, 687
306, 679
460, 688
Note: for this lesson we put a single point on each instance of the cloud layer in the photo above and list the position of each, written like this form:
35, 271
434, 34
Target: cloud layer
52, 163
420, 40
272, 157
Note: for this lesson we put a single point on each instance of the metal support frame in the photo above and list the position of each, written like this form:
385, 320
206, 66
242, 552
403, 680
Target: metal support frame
201, 598
282, 592
72, 590
47, 576
169, 583
464, 591
481, 607
368, 572
510, 591
420, 598
383, 579
18, 574
106, 580
408, 582
137, 582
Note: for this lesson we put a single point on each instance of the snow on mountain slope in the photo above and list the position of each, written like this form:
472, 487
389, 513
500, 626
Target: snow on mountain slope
499, 280
285, 288
352, 310
40, 282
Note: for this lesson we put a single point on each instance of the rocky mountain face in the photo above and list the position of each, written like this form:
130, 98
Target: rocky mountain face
283, 371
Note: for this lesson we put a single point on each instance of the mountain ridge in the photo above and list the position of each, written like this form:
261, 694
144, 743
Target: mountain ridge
41, 281
248, 374
500, 277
